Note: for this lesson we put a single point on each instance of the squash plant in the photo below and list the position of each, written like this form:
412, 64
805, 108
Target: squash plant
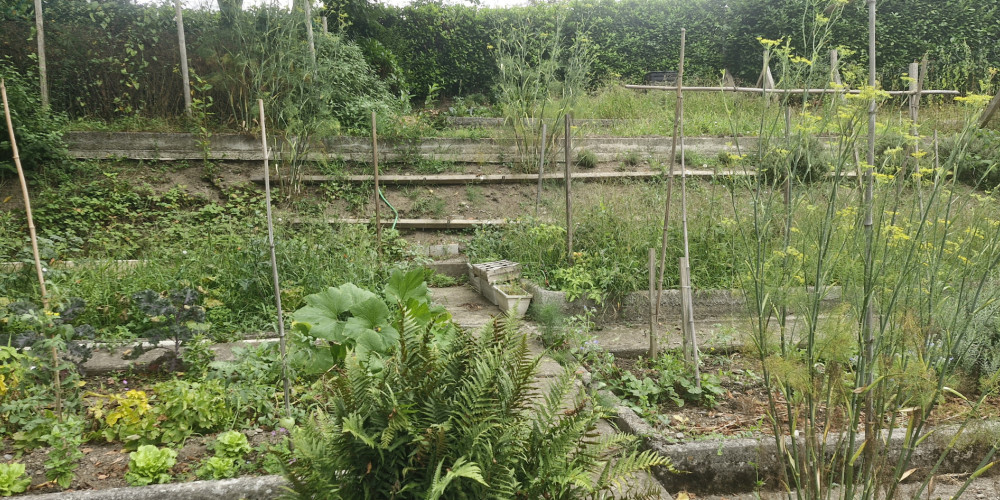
349, 318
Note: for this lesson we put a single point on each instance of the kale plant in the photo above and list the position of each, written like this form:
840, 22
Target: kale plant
176, 316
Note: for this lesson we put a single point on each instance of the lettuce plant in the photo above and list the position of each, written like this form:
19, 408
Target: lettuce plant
150, 465
13, 479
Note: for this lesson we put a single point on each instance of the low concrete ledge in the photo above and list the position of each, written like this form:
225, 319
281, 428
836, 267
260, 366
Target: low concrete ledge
249, 488
726, 466
185, 146
707, 303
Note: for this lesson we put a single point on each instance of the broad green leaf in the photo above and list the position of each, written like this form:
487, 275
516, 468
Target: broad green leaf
325, 310
405, 286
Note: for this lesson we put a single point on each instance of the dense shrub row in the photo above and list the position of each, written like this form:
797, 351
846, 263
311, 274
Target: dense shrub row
113, 59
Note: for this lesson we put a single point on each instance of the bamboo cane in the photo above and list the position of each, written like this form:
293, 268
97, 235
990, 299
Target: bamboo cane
670, 182
34, 242
569, 187
685, 271
274, 263
378, 217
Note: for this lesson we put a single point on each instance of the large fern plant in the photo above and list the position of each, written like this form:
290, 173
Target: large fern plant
456, 418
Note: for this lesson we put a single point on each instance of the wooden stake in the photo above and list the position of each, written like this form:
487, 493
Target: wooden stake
670, 177
43, 79
991, 110
914, 105
569, 189
690, 339
378, 192
653, 348
685, 269
541, 169
274, 263
868, 314
835, 67
325, 23
34, 242
184, 60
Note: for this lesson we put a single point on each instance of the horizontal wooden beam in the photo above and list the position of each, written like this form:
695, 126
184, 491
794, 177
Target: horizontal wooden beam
421, 223
462, 179
757, 90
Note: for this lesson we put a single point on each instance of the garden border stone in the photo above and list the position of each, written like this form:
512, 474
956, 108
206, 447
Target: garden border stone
249, 488
728, 466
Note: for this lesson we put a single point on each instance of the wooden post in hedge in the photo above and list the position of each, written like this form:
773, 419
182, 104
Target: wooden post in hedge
34, 243
43, 79
184, 58
274, 263
835, 67
569, 190
309, 32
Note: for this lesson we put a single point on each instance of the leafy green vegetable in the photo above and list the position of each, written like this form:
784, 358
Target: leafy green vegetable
231, 444
219, 468
150, 465
13, 479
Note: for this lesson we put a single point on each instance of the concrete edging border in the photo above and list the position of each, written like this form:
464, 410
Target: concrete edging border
727, 466
249, 488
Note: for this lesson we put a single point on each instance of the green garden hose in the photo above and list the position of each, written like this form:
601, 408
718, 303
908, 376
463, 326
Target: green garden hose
390, 206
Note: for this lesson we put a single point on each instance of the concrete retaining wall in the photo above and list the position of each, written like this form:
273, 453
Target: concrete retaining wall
172, 146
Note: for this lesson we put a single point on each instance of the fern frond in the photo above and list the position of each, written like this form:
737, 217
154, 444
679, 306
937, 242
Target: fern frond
462, 468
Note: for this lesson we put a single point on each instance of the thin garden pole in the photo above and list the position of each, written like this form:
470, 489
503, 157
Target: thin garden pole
914, 104
184, 58
835, 67
685, 270
325, 24
868, 314
43, 80
670, 177
34, 242
274, 262
378, 192
569, 189
541, 169
652, 303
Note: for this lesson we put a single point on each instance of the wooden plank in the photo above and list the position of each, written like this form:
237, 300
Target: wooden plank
463, 179
758, 90
421, 223
991, 110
